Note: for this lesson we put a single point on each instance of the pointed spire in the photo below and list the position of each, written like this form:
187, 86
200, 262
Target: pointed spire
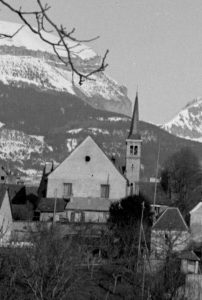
134, 128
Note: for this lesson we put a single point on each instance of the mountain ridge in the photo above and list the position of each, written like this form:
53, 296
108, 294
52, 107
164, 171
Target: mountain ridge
45, 114
187, 123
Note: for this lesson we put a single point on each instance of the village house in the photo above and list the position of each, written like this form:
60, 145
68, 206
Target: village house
5, 216
169, 234
17, 205
87, 181
196, 223
189, 262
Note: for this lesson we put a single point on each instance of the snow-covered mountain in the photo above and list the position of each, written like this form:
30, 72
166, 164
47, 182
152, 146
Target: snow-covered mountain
44, 115
188, 122
38, 94
27, 60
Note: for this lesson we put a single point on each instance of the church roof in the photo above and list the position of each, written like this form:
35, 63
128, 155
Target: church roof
134, 128
171, 220
87, 140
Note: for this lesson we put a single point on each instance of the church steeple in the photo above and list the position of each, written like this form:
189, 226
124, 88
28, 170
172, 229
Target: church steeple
133, 151
134, 127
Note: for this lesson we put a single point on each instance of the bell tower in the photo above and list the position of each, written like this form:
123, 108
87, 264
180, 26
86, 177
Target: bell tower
133, 152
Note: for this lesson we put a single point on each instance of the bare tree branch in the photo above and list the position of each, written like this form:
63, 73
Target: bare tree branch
44, 24
3, 35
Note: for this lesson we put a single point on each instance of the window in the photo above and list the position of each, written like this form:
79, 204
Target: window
77, 216
2, 177
104, 190
72, 216
133, 150
67, 190
87, 158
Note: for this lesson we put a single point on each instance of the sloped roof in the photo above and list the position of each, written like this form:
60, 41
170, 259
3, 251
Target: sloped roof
87, 139
88, 204
47, 205
171, 220
20, 194
134, 128
189, 255
196, 208
2, 194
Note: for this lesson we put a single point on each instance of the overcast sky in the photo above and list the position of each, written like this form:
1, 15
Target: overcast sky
155, 44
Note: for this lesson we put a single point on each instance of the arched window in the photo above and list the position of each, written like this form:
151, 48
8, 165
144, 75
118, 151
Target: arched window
135, 150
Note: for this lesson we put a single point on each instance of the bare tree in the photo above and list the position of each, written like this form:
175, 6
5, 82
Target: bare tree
61, 46
180, 177
50, 268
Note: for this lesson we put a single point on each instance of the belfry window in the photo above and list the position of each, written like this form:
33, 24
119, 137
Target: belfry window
133, 150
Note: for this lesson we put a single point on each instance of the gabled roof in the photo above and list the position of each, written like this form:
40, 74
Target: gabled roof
89, 204
171, 220
87, 139
2, 194
196, 207
47, 205
189, 255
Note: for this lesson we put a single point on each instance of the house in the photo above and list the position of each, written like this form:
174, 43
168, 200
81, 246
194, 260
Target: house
90, 210
189, 262
196, 223
5, 216
88, 181
87, 172
169, 234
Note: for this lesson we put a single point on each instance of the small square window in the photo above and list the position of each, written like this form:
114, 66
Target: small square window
104, 190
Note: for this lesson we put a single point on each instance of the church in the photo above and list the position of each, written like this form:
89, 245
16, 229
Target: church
85, 184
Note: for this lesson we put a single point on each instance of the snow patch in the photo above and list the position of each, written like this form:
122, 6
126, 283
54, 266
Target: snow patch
71, 144
38, 137
34, 71
75, 131
95, 131
117, 119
